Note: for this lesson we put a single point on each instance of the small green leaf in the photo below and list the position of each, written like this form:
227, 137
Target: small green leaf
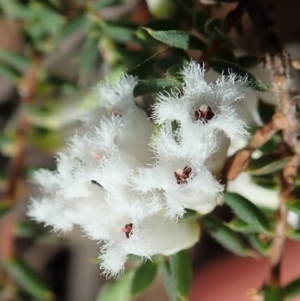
293, 205
174, 74
225, 67
225, 236
100, 4
177, 38
241, 226
156, 24
28, 279
143, 278
273, 294
190, 215
258, 245
120, 31
226, 54
271, 144
152, 86
264, 181
168, 280
118, 290
292, 289
265, 111
72, 26
248, 212
88, 54
14, 60
267, 164
181, 274
293, 234
9, 73
248, 61
4, 209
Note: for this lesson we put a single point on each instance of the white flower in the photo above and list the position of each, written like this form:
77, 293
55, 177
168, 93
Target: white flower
105, 184
183, 184
115, 99
208, 105
153, 235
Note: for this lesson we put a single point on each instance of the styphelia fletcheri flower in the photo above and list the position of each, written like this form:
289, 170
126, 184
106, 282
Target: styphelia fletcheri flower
128, 194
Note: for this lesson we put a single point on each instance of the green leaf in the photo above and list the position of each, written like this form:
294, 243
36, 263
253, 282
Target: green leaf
273, 294
119, 290
9, 73
4, 209
156, 24
292, 289
271, 144
143, 278
226, 54
88, 54
181, 273
78, 23
120, 31
265, 111
28, 279
225, 67
258, 245
15, 60
293, 205
267, 164
241, 226
224, 235
248, 212
248, 61
100, 4
177, 38
293, 234
174, 74
268, 182
168, 280
152, 86
189, 215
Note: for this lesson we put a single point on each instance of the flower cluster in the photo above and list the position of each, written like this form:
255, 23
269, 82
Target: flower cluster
132, 196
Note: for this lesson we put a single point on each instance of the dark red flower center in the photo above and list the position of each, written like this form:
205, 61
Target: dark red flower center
204, 113
128, 230
182, 175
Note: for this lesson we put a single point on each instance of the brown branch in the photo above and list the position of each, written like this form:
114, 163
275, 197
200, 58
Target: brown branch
289, 107
27, 91
241, 159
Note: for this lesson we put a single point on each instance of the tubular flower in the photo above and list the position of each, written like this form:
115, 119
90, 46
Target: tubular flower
129, 195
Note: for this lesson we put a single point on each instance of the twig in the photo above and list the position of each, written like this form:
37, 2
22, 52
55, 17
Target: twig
27, 91
241, 159
289, 107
